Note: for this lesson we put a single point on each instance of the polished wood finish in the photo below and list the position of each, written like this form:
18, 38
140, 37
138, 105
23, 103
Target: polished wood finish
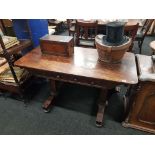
86, 31
141, 98
143, 32
84, 63
57, 45
82, 68
2, 26
131, 31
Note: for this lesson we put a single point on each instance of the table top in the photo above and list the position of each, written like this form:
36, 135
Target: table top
129, 22
83, 63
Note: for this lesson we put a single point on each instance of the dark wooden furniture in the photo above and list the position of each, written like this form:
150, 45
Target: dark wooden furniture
86, 32
101, 22
71, 27
58, 24
141, 98
7, 27
143, 32
83, 68
131, 31
9, 54
57, 45
2, 26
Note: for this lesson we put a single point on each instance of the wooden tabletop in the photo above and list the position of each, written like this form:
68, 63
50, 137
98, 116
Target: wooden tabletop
84, 63
129, 22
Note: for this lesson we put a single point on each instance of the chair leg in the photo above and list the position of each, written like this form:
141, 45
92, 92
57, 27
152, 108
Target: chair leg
77, 41
140, 46
140, 50
152, 53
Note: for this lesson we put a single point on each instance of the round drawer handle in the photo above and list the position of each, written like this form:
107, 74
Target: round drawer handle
92, 82
58, 76
75, 79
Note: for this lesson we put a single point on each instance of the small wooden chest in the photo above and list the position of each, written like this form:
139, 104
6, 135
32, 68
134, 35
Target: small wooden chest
57, 45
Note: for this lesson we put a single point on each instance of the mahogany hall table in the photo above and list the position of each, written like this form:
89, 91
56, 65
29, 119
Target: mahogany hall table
82, 68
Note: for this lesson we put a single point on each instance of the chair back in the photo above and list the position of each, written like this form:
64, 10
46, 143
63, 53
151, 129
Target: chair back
71, 26
145, 28
10, 60
86, 30
131, 31
69, 23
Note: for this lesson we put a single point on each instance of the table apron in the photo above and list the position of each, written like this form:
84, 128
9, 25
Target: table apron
88, 81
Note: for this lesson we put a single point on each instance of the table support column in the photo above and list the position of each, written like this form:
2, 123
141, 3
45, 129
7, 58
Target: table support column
50, 100
101, 107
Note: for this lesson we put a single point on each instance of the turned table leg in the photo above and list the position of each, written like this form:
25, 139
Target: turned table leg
50, 100
101, 107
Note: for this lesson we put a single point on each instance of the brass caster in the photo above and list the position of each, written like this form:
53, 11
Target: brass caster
124, 124
99, 124
46, 110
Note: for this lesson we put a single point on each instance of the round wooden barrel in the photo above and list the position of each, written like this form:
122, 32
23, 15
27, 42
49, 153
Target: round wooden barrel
111, 54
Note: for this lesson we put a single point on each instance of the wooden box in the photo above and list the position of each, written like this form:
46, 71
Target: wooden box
57, 45
141, 99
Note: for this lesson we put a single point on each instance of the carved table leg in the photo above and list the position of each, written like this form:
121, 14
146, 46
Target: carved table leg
47, 104
101, 107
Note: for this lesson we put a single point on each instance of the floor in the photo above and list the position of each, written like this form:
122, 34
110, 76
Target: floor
73, 113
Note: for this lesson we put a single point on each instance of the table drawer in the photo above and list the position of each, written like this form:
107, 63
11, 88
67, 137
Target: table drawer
79, 80
75, 79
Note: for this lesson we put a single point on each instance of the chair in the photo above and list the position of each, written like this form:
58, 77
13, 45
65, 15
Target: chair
131, 31
12, 79
143, 32
85, 33
71, 27
51, 30
57, 25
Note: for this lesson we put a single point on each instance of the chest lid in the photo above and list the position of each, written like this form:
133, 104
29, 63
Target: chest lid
56, 38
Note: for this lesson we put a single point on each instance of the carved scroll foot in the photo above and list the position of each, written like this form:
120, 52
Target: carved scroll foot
50, 100
48, 103
101, 107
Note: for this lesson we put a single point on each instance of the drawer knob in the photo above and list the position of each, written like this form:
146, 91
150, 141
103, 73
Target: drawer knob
75, 79
92, 82
58, 76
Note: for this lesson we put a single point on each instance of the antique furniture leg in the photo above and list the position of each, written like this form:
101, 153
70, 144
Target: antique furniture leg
47, 104
101, 107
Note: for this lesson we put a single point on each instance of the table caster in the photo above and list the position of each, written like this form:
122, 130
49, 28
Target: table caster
99, 124
46, 110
